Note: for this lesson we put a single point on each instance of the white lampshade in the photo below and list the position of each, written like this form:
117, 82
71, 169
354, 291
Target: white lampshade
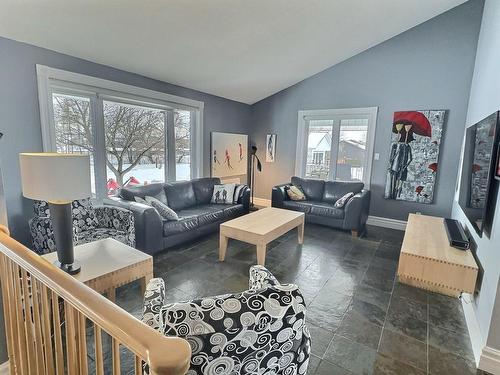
56, 178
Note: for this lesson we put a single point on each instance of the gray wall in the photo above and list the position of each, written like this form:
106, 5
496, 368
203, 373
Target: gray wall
20, 119
484, 100
427, 67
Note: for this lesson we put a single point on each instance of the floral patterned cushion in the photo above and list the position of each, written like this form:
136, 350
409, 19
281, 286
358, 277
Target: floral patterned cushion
259, 331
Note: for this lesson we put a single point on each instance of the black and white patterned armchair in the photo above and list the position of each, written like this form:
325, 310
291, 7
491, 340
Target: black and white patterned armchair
89, 224
258, 331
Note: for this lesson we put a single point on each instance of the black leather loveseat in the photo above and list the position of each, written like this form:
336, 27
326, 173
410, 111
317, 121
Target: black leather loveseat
190, 200
320, 199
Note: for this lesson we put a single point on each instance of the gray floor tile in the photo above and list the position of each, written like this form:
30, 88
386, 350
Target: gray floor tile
389, 366
404, 349
327, 368
445, 363
351, 356
356, 328
452, 342
320, 339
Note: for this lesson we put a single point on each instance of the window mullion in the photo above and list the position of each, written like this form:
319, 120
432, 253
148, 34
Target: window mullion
170, 139
100, 173
332, 175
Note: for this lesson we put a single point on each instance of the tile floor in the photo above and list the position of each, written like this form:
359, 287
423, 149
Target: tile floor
362, 321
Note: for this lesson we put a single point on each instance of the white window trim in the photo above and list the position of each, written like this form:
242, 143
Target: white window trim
370, 113
50, 79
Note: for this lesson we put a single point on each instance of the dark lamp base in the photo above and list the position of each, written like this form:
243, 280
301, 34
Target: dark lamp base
72, 268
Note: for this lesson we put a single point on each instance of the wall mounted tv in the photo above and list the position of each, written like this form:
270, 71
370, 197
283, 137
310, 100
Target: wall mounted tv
478, 187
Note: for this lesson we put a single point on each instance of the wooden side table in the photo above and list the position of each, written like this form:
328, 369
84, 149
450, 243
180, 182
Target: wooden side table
108, 264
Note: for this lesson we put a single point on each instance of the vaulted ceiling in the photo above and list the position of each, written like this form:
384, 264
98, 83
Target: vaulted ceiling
243, 50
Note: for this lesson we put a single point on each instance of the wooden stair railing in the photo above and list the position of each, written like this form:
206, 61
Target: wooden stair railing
47, 316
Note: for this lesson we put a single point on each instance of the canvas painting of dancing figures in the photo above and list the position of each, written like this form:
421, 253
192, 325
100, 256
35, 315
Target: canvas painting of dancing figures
229, 154
414, 155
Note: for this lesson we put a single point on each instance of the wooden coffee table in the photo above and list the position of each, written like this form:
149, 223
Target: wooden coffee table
260, 228
108, 264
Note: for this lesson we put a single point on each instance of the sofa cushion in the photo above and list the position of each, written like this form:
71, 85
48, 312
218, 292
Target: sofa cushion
326, 209
184, 224
313, 189
233, 210
152, 190
180, 195
301, 206
335, 190
206, 213
203, 189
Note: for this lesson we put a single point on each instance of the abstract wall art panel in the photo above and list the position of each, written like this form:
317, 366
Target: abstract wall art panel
414, 155
229, 154
271, 148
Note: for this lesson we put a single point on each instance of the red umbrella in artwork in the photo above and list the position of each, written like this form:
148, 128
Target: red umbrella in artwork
433, 167
420, 124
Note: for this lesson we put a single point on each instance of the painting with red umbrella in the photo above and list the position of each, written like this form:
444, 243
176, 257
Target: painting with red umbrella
414, 155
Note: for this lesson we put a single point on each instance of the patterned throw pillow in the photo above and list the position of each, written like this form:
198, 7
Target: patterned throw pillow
341, 202
165, 212
237, 192
223, 194
295, 193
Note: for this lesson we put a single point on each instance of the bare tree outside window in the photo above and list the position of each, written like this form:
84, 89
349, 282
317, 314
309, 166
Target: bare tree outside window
134, 137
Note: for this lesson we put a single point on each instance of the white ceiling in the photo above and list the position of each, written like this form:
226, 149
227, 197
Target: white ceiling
243, 50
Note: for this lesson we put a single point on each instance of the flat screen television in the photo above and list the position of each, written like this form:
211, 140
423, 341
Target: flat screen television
478, 187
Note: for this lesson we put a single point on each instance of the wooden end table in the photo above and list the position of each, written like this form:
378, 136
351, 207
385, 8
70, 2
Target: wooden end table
108, 264
260, 228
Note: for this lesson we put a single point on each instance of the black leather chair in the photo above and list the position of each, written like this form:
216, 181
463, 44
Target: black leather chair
190, 200
320, 199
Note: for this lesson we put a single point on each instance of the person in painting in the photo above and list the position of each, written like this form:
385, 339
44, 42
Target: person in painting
216, 161
405, 124
227, 160
224, 195
240, 146
217, 196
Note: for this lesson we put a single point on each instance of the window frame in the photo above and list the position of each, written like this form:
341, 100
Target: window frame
305, 116
52, 80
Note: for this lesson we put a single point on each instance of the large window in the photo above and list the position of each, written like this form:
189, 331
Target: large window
336, 144
134, 136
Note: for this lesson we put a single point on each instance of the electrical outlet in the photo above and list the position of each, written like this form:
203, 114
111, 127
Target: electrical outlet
376, 156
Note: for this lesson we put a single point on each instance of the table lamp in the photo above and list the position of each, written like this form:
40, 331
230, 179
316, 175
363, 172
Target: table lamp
57, 179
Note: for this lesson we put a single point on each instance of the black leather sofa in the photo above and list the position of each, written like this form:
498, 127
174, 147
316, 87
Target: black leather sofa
319, 204
190, 200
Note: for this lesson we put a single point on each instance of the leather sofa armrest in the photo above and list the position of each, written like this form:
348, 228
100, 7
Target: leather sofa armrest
356, 211
244, 198
148, 224
278, 195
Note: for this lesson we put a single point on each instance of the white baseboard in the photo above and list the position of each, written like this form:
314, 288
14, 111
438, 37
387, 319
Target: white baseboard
262, 202
476, 337
385, 222
490, 360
